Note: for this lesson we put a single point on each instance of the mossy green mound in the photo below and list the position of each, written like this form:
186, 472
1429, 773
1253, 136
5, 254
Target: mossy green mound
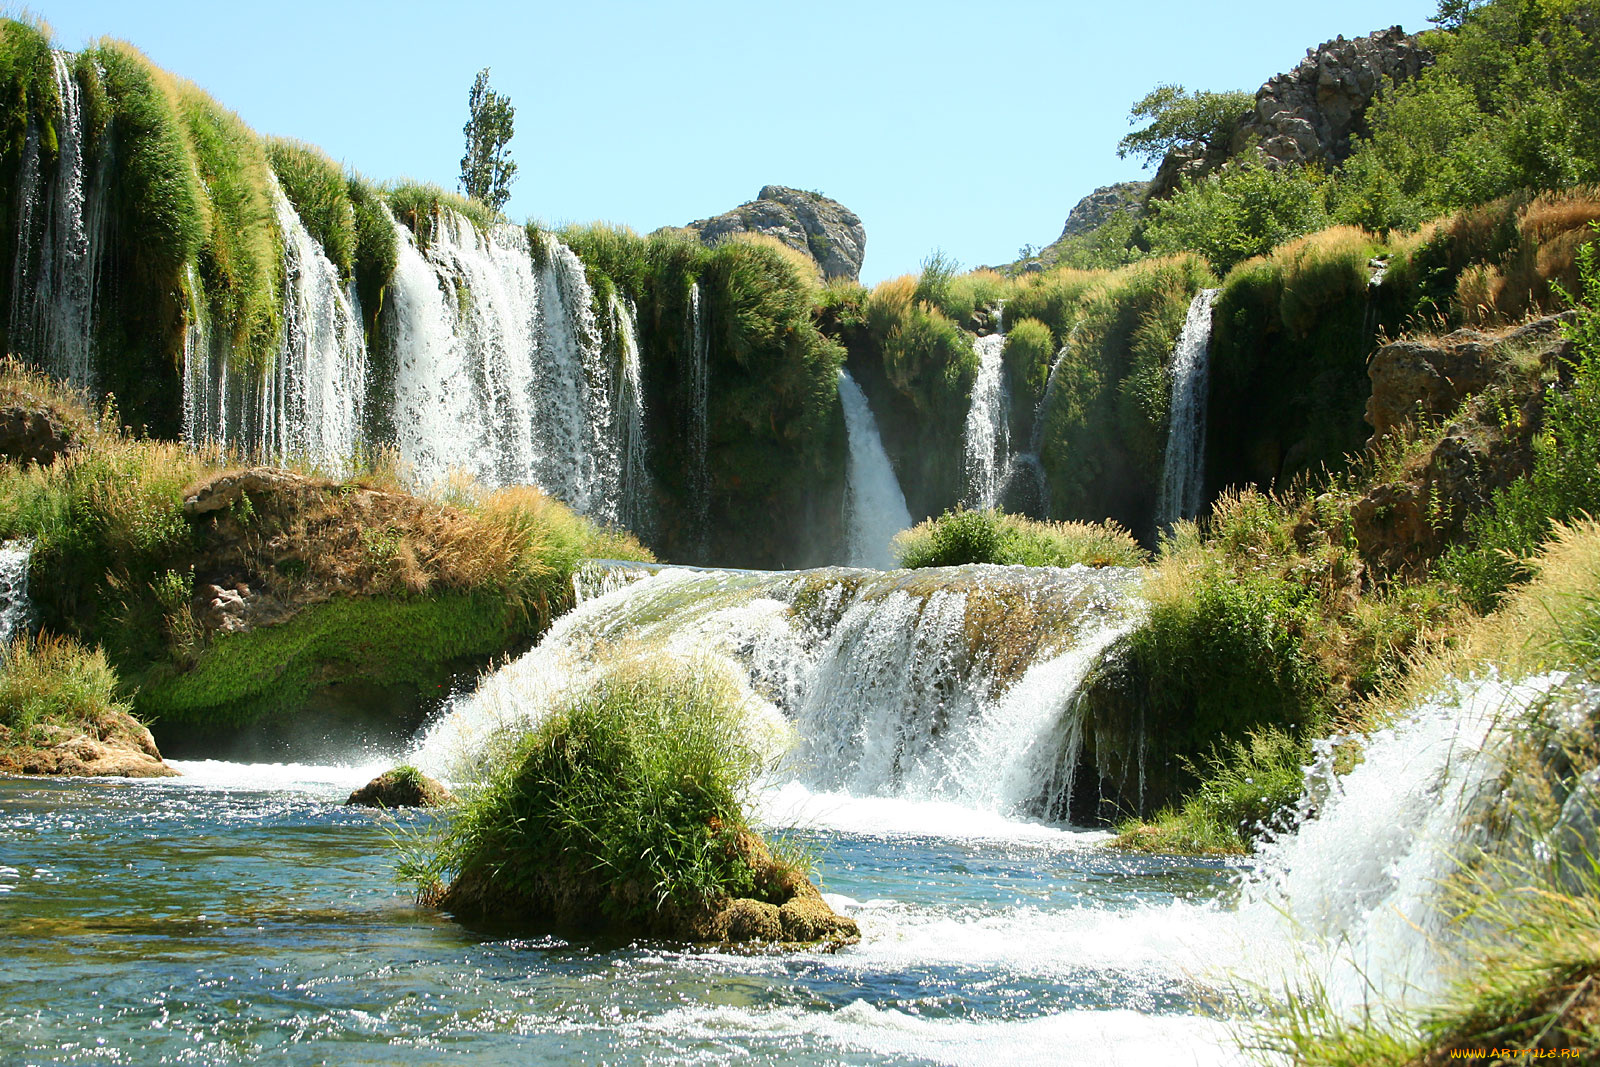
624, 810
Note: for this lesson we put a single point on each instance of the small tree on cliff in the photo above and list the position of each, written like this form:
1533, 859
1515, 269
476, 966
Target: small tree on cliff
487, 168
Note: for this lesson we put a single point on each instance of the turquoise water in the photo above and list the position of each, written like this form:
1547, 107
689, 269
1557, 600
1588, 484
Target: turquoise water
241, 915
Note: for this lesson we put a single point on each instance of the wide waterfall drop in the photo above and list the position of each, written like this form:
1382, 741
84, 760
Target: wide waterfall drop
465, 313
987, 436
875, 508
321, 369
1183, 475
699, 428
60, 226
16, 610
893, 684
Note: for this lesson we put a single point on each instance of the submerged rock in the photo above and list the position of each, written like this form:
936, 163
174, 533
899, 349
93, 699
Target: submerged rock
403, 787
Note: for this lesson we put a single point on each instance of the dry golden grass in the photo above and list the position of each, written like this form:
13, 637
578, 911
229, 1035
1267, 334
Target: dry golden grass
806, 268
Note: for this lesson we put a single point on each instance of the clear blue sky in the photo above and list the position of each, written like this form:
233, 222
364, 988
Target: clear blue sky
971, 128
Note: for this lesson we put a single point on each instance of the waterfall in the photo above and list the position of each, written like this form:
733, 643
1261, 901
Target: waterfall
16, 611
60, 227
503, 371
1023, 486
892, 682
875, 508
308, 402
1357, 885
1183, 475
987, 436
321, 367
699, 431
633, 449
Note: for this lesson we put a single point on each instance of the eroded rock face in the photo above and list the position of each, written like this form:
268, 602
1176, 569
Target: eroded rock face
120, 747
34, 435
823, 229
1492, 388
1094, 210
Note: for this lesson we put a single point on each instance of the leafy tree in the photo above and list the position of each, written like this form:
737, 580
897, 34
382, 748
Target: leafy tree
1181, 119
487, 168
1240, 211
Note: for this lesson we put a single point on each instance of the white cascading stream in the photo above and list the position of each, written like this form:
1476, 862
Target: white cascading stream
699, 430
1183, 473
875, 508
60, 225
307, 403
16, 610
1350, 901
987, 435
628, 433
885, 679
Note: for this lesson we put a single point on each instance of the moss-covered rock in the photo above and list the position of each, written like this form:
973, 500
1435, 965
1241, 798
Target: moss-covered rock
402, 787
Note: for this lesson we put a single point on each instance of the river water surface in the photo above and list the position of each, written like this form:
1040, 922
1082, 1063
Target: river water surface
242, 914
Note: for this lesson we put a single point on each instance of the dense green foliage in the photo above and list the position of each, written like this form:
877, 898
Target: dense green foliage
633, 788
317, 188
1238, 212
992, 536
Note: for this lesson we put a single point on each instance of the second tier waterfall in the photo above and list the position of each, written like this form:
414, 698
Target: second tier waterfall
875, 507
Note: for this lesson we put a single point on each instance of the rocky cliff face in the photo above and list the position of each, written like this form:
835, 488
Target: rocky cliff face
1094, 210
823, 229
1311, 113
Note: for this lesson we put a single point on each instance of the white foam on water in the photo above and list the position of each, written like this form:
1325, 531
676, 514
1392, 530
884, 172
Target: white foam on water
272, 777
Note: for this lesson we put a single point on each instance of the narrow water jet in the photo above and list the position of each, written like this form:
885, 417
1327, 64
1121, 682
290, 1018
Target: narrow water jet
699, 428
875, 508
987, 434
16, 610
1183, 474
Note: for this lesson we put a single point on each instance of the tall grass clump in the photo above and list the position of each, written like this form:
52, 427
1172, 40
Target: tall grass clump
988, 535
626, 799
53, 680
419, 204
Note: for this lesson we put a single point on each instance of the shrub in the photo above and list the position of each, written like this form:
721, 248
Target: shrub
991, 536
629, 795
317, 188
1241, 211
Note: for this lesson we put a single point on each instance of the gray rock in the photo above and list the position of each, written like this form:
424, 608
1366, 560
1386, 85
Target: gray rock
1310, 114
1094, 210
823, 229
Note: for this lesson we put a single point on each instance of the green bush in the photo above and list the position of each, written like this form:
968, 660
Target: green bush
632, 788
1238, 212
1030, 349
991, 536
317, 188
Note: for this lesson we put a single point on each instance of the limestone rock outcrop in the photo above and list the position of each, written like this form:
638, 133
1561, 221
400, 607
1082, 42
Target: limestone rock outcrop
1094, 210
808, 222
1309, 114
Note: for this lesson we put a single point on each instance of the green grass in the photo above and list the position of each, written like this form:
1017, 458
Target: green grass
317, 188
418, 204
992, 536
48, 680
630, 795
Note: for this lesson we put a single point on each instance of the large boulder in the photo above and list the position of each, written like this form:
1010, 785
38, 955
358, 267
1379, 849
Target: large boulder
808, 222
